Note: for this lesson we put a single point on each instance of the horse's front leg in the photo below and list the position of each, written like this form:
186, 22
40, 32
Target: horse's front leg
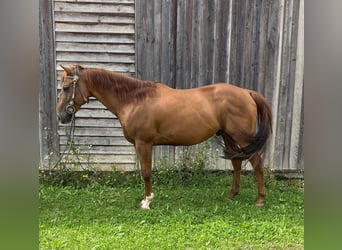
144, 152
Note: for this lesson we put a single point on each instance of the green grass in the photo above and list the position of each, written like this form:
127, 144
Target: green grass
188, 212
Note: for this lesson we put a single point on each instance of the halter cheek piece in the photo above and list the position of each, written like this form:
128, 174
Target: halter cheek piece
70, 108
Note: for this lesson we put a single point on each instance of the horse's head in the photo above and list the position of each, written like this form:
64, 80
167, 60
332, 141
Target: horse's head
73, 94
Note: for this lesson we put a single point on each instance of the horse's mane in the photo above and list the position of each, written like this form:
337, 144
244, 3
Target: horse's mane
127, 89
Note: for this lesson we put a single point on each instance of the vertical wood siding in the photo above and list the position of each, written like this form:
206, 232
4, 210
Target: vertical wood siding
48, 137
253, 44
96, 33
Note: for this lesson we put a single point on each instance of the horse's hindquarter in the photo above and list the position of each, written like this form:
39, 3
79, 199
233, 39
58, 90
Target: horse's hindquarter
239, 113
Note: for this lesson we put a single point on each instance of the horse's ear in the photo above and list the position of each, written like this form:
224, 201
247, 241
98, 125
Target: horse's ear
66, 69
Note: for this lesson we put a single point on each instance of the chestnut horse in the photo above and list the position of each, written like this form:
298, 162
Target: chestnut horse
154, 114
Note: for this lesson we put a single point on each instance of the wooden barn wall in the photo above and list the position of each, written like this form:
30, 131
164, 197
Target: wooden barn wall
92, 33
253, 44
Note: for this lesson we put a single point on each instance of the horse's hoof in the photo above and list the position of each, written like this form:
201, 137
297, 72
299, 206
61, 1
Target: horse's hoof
231, 196
145, 203
144, 207
259, 203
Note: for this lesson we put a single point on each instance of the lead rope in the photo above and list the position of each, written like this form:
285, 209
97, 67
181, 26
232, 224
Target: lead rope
67, 150
63, 159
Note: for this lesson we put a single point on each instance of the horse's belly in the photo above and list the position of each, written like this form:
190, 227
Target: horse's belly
183, 134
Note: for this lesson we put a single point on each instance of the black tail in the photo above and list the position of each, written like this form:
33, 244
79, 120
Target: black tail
258, 141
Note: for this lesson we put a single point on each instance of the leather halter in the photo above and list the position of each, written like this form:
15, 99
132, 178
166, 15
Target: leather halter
70, 108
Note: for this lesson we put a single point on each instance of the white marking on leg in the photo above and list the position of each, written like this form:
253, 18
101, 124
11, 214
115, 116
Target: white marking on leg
145, 203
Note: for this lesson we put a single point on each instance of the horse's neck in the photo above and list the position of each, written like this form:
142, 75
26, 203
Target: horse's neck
107, 97
117, 91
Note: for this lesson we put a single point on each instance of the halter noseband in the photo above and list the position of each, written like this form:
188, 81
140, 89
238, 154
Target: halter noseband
70, 108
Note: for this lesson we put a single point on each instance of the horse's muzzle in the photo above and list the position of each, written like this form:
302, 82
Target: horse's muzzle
65, 117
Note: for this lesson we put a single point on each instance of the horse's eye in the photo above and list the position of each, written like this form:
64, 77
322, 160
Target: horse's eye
66, 88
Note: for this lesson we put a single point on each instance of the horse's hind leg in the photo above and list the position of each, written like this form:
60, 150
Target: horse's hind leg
144, 152
257, 163
236, 179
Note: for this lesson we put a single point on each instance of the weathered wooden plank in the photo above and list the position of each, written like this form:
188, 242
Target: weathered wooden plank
189, 43
267, 66
239, 32
105, 167
165, 42
127, 68
100, 149
104, 141
139, 38
254, 45
100, 113
233, 56
97, 28
297, 126
95, 131
297, 87
172, 43
210, 35
98, 1
180, 51
118, 9
95, 48
48, 137
107, 18
288, 78
98, 158
261, 61
274, 52
158, 39
222, 42
95, 38
95, 57
204, 53
247, 46
285, 89
197, 42
294, 110
150, 40
89, 122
